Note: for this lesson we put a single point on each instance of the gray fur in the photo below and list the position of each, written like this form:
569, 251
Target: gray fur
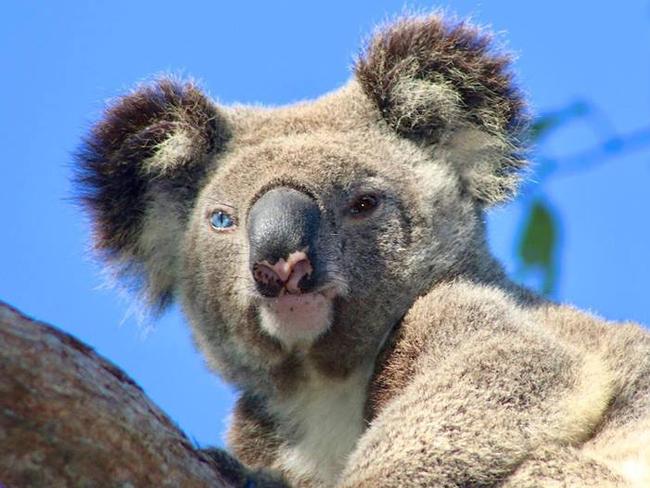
433, 369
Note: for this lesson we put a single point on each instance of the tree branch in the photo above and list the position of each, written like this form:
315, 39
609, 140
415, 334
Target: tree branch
68, 417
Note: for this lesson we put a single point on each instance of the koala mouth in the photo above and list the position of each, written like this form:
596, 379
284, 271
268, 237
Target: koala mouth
290, 303
298, 319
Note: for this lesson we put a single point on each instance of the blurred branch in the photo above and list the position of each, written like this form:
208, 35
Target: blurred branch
594, 156
545, 124
537, 248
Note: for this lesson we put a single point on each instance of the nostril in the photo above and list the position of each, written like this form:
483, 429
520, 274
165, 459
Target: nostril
267, 280
290, 274
265, 275
301, 269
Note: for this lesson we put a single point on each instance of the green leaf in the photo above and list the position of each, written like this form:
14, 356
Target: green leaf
542, 126
537, 247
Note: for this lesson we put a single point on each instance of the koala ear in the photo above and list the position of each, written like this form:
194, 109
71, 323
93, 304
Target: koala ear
138, 173
441, 84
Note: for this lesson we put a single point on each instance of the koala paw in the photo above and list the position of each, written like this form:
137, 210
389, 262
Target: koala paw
235, 473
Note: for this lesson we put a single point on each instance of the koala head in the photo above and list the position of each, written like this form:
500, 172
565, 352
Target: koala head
297, 237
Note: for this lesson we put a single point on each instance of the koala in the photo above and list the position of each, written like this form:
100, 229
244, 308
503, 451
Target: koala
331, 259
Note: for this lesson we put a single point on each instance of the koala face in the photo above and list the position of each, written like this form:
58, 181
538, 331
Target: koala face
317, 242
297, 237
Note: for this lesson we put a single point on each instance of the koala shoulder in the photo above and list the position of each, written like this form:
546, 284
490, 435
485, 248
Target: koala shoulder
624, 347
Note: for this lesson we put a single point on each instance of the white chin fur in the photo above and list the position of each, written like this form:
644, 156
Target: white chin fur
297, 320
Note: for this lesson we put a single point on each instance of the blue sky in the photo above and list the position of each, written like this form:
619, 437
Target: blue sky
62, 60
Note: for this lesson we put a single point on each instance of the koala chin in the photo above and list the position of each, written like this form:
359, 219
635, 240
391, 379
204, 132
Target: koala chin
297, 320
331, 259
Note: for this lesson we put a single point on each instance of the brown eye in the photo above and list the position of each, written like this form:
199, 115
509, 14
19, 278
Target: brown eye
364, 205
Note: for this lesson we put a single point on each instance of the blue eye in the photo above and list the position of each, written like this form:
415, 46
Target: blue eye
221, 220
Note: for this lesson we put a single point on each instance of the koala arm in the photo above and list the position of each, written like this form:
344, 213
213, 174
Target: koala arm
473, 421
485, 401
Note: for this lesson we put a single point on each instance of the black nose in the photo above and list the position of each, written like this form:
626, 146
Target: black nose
283, 226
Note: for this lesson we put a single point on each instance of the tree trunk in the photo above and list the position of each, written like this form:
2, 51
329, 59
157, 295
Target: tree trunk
68, 417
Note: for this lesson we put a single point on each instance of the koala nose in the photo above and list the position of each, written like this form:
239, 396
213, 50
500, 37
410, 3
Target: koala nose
289, 274
283, 226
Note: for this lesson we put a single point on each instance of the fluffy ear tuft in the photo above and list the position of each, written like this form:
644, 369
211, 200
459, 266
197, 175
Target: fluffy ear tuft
138, 173
431, 79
